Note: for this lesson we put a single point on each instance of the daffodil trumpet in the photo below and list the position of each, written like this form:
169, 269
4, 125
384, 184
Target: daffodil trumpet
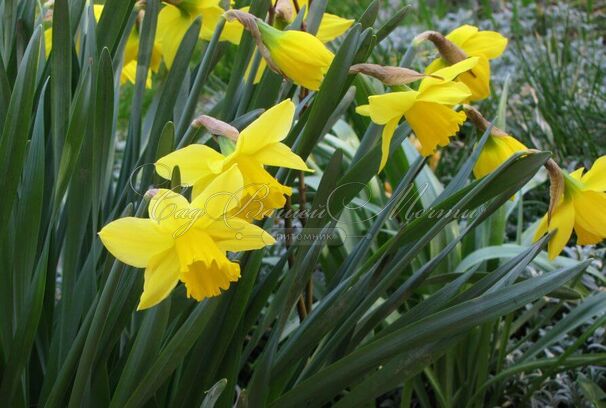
428, 110
578, 200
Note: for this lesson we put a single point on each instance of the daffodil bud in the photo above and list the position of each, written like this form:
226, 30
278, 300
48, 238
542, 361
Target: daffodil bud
285, 10
447, 49
556, 188
216, 127
391, 76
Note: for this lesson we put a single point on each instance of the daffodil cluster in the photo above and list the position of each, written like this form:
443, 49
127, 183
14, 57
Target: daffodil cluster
189, 242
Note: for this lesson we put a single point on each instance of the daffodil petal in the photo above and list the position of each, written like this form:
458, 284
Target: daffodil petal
221, 195
478, 80
448, 73
332, 26
134, 241
449, 93
280, 155
172, 26
388, 131
595, 178
169, 210
461, 34
384, 108
435, 65
563, 220
269, 128
161, 277
585, 237
194, 161
488, 44
235, 234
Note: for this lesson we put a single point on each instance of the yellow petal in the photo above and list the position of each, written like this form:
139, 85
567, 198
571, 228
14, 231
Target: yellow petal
478, 80
363, 110
332, 26
590, 207
448, 73
235, 234
134, 241
262, 192
461, 34
269, 128
172, 25
577, 174
487, 44
433, 124
542, 229
384, 108
435, 65
220, 196
387, 135
170, 211
563, 220
97, 11
259, 73
280, 155
595, 178
48, 41
449, 93
161, 277
129, 74
195, 162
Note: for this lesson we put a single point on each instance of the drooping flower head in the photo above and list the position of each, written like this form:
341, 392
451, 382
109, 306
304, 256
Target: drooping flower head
186, 242
331, 27
297, 55
257, 146
427, 110
499, 146
580, 205
467, 41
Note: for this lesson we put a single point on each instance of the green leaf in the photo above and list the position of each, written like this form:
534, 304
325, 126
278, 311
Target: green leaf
455, 320
61, 77
213, 394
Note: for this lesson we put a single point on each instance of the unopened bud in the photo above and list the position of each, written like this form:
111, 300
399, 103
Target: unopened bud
216, 127
285, 10
391, 76
447, 49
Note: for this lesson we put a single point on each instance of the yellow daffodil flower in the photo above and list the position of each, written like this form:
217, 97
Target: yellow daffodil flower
581, 206
186, 242
331, 27
496, 151
257, 146
485, 45
176, 17
299, 56
428, 111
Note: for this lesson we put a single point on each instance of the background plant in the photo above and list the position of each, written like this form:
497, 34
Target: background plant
431, 310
